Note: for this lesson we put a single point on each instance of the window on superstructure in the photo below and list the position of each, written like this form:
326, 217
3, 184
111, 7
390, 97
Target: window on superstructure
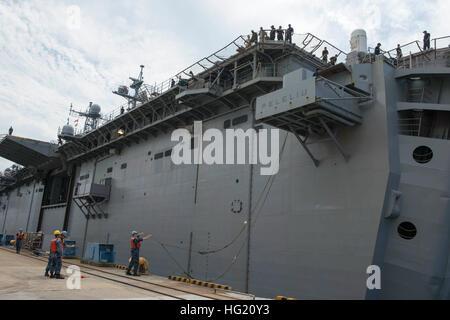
159, 155
239, 120
84, 177
123, 166
109, 170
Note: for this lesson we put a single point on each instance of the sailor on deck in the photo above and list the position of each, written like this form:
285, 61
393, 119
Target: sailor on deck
289, 33
135, 242
325, 55
333, 60
426, 40
378, 49
254, 37
262, 35
272, 33
280, 33
399, 51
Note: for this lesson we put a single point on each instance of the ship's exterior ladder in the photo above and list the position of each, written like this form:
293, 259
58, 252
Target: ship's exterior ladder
90, 198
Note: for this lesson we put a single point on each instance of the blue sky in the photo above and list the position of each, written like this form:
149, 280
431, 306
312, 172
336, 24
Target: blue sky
49, 59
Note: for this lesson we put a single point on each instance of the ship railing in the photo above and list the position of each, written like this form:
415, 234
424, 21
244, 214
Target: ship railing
440, 40
115, 113
312, 44
262, 70
413, 48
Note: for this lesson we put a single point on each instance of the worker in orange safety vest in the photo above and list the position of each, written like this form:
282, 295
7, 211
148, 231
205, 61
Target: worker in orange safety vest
55, 257
135, 242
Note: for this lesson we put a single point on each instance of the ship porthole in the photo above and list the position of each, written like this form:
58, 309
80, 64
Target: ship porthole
422, 154
407, 230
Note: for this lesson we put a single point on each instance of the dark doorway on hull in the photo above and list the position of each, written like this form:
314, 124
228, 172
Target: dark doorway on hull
56, 189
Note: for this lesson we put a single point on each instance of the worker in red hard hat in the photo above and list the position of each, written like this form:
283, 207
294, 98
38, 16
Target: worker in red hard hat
135, 241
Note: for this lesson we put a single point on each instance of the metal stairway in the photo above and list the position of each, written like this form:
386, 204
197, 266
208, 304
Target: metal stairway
90, 197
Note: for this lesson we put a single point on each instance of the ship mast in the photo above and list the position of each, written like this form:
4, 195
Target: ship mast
135, 85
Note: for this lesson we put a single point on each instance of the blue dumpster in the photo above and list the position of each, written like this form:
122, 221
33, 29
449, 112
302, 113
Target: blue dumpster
70, 252
1, 239
100, 253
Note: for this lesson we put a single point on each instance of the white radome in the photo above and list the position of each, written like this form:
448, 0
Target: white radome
358, 41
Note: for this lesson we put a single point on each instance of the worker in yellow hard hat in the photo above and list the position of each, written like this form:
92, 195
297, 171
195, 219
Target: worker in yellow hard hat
55, 257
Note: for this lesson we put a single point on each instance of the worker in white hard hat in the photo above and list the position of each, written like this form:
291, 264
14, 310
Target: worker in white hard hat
136, 239
63, 237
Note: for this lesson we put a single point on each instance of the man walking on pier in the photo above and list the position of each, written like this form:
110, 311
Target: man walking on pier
19, 239
136, 239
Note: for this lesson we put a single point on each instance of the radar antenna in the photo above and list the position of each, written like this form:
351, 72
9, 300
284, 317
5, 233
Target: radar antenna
136, 86
92, 115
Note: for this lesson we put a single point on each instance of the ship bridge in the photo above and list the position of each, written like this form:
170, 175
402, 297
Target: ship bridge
226, 80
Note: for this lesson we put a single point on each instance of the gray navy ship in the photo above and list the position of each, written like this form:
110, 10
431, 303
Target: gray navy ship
363, 179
